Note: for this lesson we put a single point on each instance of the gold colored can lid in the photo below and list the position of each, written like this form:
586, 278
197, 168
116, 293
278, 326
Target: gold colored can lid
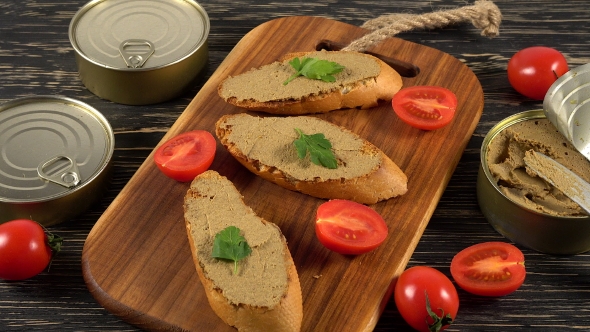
138, 34
50, 147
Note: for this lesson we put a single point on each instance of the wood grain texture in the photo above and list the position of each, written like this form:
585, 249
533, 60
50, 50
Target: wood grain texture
36, 58
159, 289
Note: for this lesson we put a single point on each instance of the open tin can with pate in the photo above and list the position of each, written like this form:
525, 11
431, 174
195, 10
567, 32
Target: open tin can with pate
566, 117
55, 159
140, 52
520, 220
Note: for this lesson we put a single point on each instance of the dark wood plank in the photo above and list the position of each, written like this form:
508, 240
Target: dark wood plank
36, 58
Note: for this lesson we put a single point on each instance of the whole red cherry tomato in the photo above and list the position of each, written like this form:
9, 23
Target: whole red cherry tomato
25, 249
426, 298
532, 71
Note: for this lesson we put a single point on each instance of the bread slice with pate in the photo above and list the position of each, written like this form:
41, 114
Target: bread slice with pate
265, 146
264, 294
364, 81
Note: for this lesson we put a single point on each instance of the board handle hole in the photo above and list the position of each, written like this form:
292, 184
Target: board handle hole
405, 69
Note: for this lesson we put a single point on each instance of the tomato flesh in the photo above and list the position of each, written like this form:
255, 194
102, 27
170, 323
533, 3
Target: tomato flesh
24, 251
425, 107
348, 227
411, 289
532, 71
489, 269
187, 155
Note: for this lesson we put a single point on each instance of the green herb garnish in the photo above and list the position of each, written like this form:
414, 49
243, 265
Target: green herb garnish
314, 68
320, 149
230, 245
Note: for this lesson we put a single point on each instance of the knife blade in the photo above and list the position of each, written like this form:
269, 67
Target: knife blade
560, 177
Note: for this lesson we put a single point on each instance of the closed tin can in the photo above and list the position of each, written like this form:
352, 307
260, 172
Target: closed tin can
538, 231
55, 159
139, 52
567, 106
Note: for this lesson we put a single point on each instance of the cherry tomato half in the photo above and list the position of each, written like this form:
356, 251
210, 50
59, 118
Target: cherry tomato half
489, 269
412, 289
186, 155
348, 227
532, 71
25, 249
425, 107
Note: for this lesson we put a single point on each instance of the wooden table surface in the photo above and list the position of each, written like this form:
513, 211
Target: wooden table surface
36, 58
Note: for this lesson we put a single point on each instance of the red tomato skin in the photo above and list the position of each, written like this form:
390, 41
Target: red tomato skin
410, 298
24, 252
425, 107
532, 71
496, 258
183, 162
369, 227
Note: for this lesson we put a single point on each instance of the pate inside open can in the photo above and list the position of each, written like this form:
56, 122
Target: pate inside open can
139, 52
531, 227
55, 158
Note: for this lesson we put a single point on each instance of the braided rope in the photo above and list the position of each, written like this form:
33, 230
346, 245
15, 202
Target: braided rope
483, 14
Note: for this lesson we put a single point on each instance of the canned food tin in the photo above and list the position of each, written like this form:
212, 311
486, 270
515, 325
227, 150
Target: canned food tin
139, 52
55, 159
539, 231
567, 106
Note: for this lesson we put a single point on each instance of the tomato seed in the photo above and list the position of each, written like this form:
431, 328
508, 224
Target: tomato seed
422, 113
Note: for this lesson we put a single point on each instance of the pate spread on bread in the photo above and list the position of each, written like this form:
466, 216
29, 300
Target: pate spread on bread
364, 82
265, 295
264, 145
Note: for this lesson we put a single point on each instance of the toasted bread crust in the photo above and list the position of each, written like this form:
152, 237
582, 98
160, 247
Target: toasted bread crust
362, 94
385, 181
286, 316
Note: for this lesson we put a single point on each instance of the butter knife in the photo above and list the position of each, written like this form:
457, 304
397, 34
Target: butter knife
560, 177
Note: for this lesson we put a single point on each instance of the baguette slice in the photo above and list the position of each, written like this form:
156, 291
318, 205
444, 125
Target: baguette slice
265, 294
362, 84
264, 145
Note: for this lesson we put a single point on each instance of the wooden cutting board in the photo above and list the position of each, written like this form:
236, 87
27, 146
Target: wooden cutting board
137, 261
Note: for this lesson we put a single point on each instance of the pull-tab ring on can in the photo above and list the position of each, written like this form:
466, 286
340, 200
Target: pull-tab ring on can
136, 52
61, 170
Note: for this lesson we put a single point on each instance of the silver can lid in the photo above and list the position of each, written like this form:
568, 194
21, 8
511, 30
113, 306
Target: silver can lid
567, 106
138, 34
50, 147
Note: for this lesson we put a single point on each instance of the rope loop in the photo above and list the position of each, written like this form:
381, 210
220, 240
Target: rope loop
483, 14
